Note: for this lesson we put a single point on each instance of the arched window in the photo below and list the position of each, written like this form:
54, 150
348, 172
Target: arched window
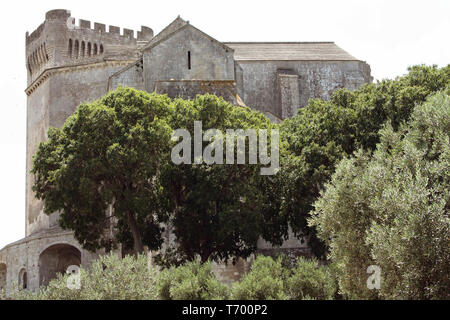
3, 276
45, 52
89, 49
83, 48
95, 49
77, 49
69, 51
38, 56
41, 53
23, 279
35, 59
101, 49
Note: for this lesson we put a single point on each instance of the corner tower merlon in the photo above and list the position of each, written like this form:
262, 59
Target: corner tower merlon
57, 14
40, 46
146, 34
60, 42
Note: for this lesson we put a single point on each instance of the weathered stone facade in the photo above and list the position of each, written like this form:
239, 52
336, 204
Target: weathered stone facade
69, 64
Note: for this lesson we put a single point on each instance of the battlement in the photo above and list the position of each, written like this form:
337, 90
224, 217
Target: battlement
145, 34
60, 41
64, 17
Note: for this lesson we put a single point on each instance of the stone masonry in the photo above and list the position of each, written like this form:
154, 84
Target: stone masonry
71, 63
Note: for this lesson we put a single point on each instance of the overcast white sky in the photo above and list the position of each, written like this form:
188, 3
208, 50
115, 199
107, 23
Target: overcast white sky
389, 35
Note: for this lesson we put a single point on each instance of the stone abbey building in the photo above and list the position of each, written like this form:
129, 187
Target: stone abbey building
69, 63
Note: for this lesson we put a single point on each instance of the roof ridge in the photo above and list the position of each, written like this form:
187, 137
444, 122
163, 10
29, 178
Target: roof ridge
186, 25
276, 42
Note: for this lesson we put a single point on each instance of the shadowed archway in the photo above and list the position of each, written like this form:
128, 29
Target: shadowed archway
23, 279
56, 259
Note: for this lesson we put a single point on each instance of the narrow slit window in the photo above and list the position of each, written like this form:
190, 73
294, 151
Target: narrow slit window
70, 48
189, 60
77, 49
83, 48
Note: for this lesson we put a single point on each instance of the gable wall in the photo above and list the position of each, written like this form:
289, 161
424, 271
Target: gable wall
169, 59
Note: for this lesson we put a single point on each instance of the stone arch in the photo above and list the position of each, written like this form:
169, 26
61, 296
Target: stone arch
101, 49
89, 49
3, 273
56, 259
95, 49
23, 279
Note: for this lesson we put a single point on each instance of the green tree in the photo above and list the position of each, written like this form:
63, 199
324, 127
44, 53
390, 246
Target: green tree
391, 209
324, 132
101, 169
219, 211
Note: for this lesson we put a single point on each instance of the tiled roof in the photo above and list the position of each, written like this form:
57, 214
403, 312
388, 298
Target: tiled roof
309, 51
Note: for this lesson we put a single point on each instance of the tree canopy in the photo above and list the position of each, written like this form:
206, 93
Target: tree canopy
100, 170
108, 172
219, 210
324, 132
391, 209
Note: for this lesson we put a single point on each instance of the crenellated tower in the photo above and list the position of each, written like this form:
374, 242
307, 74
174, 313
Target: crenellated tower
67, 64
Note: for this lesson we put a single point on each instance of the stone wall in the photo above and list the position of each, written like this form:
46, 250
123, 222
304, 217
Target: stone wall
316, 79
130, 76
168, 59
59, 41
70, 63
188, 89
24, 256
49, 104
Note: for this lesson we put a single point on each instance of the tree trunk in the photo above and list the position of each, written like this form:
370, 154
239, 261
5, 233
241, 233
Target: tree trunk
138, 246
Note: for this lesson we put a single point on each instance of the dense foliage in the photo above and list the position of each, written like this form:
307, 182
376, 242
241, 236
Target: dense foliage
364, 177
108, 171
131, 278
219, 210
391, 209
107, 156
324, 132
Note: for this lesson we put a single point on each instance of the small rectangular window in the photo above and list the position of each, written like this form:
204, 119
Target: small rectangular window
189, 60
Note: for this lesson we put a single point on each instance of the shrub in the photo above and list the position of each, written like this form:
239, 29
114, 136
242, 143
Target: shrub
110, 278
265, 281
192, 281
310, 281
